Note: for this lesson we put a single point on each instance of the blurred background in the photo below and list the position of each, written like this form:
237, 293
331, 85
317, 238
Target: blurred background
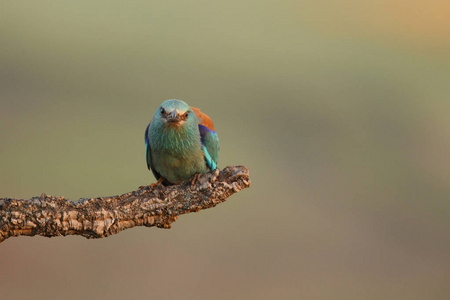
340, 110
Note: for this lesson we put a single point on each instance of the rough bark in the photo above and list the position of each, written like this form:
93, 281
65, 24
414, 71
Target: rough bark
103, 216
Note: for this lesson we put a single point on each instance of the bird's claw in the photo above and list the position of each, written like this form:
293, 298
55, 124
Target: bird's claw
159, 182
195, 178
152, 185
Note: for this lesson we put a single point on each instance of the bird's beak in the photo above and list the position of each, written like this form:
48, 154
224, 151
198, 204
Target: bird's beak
173, 117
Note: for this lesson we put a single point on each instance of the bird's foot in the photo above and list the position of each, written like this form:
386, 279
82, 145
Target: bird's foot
152, 185
159, 182
195, 178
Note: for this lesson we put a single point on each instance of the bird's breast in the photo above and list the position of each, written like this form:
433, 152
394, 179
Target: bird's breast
177, 155
176, 167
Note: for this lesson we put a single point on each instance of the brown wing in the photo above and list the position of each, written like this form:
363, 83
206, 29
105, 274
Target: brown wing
203, 118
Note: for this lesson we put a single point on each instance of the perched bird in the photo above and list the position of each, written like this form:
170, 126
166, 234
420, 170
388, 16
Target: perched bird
180, 141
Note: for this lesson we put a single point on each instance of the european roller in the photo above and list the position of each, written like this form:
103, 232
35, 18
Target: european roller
180, 142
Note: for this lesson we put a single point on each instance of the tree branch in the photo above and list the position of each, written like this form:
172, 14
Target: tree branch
101, 217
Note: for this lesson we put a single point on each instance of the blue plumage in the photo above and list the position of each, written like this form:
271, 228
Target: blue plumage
177, 146
210, 146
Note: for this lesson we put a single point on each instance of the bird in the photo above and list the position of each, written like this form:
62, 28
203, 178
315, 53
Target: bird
180, 141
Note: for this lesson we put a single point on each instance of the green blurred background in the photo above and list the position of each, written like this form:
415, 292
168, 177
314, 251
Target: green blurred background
340, 109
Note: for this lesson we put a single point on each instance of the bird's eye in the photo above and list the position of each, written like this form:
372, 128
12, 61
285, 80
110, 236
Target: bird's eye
186, 115
163, 111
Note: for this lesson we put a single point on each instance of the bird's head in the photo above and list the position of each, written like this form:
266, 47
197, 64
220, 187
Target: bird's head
175, 113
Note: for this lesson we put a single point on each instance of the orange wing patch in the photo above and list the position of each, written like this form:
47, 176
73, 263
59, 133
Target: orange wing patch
203, 118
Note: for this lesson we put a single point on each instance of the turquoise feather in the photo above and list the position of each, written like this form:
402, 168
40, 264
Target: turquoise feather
210, 146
